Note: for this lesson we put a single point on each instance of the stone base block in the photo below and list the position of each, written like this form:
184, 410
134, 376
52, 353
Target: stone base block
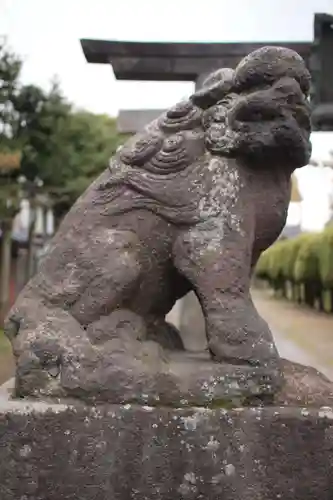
70, 452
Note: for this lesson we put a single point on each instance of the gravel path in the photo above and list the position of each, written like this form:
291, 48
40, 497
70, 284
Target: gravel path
301, 334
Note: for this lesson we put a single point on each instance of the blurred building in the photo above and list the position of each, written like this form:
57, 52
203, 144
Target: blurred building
44, 226
44, 229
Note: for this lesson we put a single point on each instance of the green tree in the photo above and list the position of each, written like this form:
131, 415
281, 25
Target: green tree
66, 148
41, 116
10, 66
87, 143
41, 133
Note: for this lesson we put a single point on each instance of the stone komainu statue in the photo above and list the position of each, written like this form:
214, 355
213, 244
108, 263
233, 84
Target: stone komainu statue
187, 204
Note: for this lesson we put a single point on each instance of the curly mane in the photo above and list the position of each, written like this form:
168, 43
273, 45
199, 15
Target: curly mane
257, 113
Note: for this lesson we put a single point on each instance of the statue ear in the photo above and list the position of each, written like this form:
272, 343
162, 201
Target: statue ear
216, 86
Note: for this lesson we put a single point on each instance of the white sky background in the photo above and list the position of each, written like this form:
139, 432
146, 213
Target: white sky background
316, 186
46, 34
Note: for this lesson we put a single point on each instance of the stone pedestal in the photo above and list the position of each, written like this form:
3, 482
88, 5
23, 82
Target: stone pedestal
71, 451
61, 451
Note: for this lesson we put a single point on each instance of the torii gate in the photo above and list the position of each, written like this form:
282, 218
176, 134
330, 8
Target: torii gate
189, 62
170, 61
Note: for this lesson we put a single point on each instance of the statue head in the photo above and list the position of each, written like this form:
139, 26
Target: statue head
260, 111
257, 114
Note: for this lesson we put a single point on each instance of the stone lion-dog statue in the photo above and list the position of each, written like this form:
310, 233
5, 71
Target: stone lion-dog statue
187, 204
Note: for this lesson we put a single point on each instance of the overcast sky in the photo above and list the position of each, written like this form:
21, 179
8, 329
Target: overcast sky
46, 34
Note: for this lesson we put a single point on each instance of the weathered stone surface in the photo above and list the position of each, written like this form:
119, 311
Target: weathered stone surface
194, 381
66, 450
304, 386
63, 452
171, 379
188, 204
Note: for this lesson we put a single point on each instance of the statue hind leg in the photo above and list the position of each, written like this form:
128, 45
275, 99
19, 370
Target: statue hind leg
48, 324
77, 314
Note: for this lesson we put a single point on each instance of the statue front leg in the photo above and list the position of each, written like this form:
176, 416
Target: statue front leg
216, 259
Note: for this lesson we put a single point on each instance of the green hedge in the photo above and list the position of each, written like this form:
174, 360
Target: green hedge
306, 264
325, 256
301, 268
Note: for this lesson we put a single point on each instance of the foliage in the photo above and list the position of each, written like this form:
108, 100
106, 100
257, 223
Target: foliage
306, 267
9, 202
10, 67
275, 260
10, 156
292, 250
295, 260
325, 257
262, 267
87, 143
40, 117
303, 265
5, 347
64, 147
